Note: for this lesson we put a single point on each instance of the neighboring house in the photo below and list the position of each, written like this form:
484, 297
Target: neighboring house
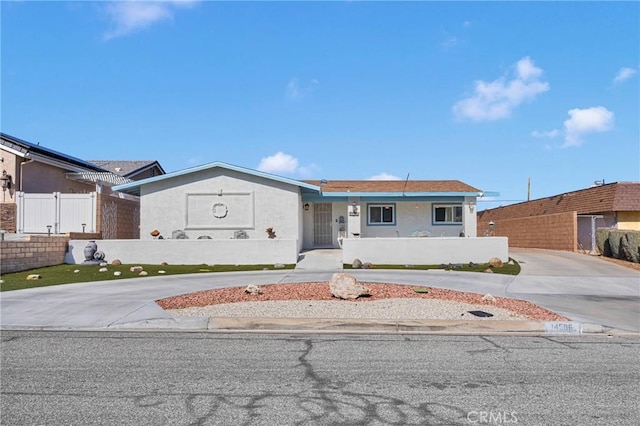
134, 170
220, 201
45, 191
566, 221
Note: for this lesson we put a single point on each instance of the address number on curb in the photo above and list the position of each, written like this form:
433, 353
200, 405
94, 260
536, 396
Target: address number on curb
561, 327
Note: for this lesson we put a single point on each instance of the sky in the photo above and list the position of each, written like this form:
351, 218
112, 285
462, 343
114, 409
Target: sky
495, 94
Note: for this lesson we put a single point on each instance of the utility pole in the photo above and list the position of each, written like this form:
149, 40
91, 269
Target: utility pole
528, 189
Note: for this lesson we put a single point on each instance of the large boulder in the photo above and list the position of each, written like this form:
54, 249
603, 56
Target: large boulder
495, 262
345, 286
356, 264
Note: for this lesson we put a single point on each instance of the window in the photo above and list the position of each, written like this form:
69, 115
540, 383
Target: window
447, 214
381, 214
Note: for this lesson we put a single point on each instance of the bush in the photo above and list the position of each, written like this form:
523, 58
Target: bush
614, 243
602, 236
629, 247
623, 245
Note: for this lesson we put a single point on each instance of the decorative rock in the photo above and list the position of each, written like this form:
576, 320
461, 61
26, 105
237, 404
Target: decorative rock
278, 265
345, 286
103, 264
136, 269
489, 271
495, 262
356, 264
116, 262
33, 277
76, 271
488, 298
155, 233
367, 265
143, 273
179, 235
204, 237
164, 263
117, 273
253, 289
162, 272
102, 270
511, 262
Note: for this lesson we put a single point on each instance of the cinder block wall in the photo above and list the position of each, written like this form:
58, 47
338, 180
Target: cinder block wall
32, 252
554, 231
118, 218
8, 217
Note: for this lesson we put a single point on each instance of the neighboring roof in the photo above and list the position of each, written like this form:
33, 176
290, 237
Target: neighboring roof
128, 168
29, 150
394, 187
611, 197
133, 188
98, 177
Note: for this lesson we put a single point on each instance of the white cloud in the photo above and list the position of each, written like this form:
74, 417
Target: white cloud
496, 99
548, 134
583, 121
128, 16
279, 163
624, 74
295, 91
384, 176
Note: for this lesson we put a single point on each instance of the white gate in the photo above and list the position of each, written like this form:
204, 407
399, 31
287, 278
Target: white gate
56, 213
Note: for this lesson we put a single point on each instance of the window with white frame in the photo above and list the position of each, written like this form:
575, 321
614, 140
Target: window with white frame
381, 214
447, 214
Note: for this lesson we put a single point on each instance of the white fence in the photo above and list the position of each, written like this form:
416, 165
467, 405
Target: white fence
56, 213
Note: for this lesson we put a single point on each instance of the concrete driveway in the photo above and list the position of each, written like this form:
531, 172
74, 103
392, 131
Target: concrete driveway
583, 288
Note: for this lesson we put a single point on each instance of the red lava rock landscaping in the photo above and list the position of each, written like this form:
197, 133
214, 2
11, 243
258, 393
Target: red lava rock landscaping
320, 291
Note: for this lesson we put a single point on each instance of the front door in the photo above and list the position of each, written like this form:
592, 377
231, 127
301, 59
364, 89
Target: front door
322, 235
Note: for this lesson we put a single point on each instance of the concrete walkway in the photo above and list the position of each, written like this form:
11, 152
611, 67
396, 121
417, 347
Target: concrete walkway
583, 288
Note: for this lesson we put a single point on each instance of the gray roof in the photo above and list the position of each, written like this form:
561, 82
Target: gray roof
126, 167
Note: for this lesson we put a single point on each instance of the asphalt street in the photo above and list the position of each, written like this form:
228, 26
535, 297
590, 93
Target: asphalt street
110, 378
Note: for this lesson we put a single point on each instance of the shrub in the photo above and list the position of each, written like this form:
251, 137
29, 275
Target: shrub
602, 235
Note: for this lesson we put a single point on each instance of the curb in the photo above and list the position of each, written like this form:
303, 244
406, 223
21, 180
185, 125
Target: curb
368, 326
347, 326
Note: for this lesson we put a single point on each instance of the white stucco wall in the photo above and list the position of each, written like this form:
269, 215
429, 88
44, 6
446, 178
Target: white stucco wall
191, 252
425, 251
244, 202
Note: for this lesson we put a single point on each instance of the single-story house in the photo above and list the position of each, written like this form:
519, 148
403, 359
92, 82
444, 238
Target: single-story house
381, 221
566, 221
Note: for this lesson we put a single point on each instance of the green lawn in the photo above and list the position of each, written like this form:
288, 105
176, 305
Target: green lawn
506, 269
66, 274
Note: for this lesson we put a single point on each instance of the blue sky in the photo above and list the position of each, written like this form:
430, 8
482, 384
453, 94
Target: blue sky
490, 93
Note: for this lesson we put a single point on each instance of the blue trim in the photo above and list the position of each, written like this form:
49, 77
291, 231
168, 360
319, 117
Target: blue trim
395, 214
134, 187
400, 195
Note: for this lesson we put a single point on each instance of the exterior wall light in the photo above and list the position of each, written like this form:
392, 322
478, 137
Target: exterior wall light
306, 207
6, 181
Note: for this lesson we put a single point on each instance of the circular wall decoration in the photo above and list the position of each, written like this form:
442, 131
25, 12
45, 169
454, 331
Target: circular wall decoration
220, 210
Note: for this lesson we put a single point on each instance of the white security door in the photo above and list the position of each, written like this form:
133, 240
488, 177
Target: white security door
322, 232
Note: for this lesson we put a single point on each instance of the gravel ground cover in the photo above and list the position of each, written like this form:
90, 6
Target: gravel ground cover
387, 301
